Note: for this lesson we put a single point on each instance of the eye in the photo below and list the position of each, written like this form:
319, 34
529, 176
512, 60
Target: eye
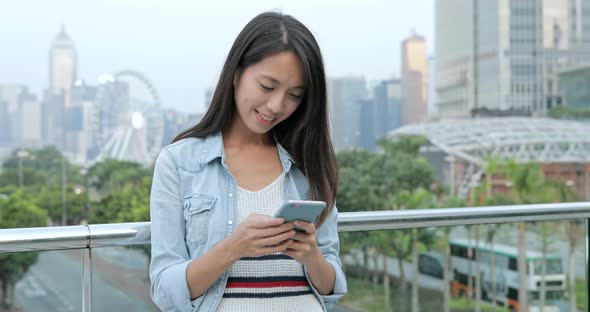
265, 88
296, 96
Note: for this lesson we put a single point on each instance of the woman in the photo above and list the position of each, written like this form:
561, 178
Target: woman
264, 140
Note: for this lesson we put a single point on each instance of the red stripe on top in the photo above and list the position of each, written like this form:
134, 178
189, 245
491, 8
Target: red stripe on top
265, 284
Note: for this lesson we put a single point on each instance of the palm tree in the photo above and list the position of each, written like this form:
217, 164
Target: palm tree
526, 180
529, 187
420, 198
574, 231
451, 202
492, 167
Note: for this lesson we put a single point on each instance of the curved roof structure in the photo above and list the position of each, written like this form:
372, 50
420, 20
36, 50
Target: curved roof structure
524, 139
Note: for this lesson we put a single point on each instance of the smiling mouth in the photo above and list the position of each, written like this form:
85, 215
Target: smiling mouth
264, 118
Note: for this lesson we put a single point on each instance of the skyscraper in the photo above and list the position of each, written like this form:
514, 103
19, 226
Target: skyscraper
343, 97
367, 124
10, 96
388, 107
29, 120
63, 66
505, 55
414, 76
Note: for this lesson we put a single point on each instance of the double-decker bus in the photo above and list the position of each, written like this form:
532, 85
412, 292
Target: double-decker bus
506, 271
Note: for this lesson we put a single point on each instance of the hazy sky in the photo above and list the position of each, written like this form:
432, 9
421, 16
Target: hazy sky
181, 44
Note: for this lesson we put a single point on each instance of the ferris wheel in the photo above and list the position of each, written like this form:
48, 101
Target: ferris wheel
126, 126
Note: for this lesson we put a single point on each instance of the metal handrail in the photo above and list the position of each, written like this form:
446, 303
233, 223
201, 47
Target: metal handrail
138, 233
88, 237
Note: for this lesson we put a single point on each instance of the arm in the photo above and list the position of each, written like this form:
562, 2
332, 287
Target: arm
169, 256
318, 252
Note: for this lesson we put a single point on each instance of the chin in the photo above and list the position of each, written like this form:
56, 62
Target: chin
259, 130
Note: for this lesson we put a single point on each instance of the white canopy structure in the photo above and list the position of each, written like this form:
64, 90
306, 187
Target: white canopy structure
523, 139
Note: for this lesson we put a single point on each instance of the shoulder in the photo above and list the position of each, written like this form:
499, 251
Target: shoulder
186, 153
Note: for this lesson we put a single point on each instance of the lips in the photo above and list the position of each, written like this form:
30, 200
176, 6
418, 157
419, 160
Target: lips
265, 119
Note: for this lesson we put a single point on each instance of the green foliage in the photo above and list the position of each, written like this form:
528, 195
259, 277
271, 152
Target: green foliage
118, 191
461, 304
113, 175
568, 112
44, 165
129, 204
17, 211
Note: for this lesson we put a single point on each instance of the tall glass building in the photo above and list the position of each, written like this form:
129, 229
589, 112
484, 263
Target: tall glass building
506, 55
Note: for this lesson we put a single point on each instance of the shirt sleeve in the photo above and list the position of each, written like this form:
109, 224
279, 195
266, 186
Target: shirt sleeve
169, 255
328, 241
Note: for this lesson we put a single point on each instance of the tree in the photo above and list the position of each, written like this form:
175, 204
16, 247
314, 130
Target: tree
530, 187
17, 212
451, 202
357, 192
418, 199
112, 175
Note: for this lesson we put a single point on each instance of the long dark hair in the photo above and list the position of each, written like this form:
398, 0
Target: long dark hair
305, 134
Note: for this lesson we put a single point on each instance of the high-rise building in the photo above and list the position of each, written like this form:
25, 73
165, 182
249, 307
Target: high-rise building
431, 107
500, 55
414, 76
367, 124
343, 97
52, 123
5, 124
29, 120
10, 98
63, 66
388, 107
573, 86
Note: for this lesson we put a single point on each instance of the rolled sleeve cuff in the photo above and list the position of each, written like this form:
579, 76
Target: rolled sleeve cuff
174, 288
340, 287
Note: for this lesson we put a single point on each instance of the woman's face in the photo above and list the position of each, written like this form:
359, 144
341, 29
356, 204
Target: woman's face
269, 91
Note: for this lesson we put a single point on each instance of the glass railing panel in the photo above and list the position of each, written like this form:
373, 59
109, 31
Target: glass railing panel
45, 281
120, 280
373, 268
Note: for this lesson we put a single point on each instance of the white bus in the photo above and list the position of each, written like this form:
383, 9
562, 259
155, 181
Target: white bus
506, 271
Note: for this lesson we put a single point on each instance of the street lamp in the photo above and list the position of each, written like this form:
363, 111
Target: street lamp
21, 155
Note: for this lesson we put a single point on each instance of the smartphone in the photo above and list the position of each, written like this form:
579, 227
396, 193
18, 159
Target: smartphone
303, 210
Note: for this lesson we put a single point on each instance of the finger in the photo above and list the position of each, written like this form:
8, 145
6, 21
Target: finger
278, 248
297, 246
303, 237
309, 228
264, 221
274, 240
275, 230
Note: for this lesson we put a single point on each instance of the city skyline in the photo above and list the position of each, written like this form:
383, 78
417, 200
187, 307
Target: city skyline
163, 53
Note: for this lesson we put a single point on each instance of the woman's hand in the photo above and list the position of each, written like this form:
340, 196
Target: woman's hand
304, 248
261, 235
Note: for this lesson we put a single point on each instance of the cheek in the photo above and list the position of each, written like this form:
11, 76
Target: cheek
243, 102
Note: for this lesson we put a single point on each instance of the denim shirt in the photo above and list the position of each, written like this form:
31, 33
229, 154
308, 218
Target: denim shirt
193, 208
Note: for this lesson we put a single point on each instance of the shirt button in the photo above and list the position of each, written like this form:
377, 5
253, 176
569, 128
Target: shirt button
231, 195
230, 222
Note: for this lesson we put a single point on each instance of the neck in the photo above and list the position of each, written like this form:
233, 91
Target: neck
237, 134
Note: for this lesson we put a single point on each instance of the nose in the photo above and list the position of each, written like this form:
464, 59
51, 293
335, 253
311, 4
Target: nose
276, 103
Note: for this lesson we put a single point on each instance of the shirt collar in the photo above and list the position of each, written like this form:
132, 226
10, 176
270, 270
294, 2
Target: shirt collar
214, 149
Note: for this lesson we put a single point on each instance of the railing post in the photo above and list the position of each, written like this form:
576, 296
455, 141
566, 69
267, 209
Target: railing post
587, 265
87, 280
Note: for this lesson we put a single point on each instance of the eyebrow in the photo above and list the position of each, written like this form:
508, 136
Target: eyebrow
274, 80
